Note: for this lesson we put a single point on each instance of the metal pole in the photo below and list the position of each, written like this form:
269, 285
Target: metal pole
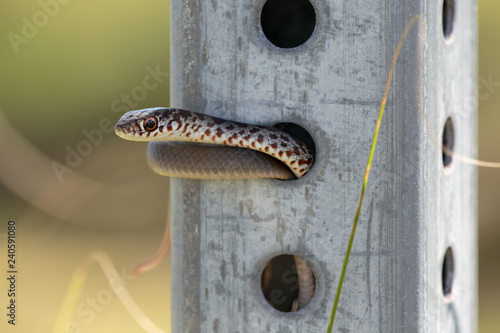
413, 266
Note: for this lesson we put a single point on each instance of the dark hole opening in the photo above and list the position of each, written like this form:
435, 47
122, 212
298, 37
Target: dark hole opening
288, 23
448, 274
280, 283
299, 133
448, 143
448, 17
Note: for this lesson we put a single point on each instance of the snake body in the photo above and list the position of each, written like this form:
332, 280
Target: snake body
268, 153
174, 159
168, 124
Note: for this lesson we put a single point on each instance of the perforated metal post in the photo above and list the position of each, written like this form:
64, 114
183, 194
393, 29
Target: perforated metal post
420, 206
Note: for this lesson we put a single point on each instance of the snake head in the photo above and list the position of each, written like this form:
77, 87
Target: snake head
152, 124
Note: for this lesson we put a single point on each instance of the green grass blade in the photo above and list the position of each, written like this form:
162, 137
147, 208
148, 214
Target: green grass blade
367, 172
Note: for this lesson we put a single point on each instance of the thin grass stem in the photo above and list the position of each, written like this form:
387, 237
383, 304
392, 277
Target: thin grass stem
367, 172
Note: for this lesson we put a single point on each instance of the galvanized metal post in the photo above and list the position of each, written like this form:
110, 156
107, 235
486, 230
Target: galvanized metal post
413, 267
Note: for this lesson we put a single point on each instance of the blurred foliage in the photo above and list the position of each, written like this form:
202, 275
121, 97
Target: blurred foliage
66, 76
489, 192
61, 68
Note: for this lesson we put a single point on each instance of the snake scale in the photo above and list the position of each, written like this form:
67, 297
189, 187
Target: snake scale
207, 147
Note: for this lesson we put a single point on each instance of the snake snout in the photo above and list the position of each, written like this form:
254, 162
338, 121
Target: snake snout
127, 132
119, 131
126, 128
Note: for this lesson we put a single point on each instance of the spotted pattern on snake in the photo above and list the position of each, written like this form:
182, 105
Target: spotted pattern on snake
169, 124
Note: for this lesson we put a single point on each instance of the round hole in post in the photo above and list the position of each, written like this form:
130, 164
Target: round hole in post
287, 23
299, 133
288, 283
448, 274
448, 144
448, 17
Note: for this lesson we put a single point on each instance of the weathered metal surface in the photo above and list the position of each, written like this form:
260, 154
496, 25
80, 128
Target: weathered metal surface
224, 232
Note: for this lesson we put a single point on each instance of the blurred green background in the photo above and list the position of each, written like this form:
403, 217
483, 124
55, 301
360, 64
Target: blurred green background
489, 150
68, 77
62, 81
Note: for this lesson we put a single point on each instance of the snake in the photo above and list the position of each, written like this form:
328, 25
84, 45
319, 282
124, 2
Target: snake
193, 145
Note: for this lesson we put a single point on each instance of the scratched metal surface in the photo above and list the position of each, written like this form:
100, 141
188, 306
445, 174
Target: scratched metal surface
225, 231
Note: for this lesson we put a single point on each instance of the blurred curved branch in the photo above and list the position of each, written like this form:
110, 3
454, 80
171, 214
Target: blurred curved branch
77, 282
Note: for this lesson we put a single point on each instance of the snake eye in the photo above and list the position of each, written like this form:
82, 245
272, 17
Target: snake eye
150, 124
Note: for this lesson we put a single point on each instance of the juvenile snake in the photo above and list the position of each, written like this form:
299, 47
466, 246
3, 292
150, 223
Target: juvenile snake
268, 153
